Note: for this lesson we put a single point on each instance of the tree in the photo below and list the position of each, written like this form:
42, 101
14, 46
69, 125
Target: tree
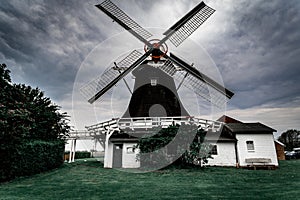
12, 120
189, 150
291, 138
199, 151
32, 130
4, 76
26, 114
47, 122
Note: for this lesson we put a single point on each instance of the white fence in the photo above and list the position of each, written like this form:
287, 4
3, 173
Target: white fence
144, 123
164, 122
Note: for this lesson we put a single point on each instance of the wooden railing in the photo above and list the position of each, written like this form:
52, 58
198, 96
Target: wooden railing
82, 134
146, 123
164, 122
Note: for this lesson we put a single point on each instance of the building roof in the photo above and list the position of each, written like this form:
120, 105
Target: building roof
226, 119
249, 128
219, 138
224, 136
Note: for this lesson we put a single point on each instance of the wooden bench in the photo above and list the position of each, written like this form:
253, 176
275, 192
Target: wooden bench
262, 163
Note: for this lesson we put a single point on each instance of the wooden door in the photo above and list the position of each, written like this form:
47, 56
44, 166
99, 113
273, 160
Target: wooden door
117, 155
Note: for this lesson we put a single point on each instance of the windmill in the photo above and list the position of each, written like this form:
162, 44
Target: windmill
156, 70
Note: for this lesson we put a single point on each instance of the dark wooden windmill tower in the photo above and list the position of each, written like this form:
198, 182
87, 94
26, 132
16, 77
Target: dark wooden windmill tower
155, 93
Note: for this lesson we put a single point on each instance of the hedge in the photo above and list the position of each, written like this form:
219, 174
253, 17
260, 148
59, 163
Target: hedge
80, 154
30, 157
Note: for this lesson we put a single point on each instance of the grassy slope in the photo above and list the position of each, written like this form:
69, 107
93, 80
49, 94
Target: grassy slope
86, 180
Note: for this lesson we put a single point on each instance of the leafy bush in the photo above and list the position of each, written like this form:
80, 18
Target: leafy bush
81, 154
190, 149
30, 157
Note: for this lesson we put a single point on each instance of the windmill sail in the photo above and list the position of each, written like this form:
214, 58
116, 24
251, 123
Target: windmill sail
124, 20
97, 87
188, 24
190, 77
196, 81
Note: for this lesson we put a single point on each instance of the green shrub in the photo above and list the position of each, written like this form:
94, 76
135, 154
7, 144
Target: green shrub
80, 154
189, 151
30, 157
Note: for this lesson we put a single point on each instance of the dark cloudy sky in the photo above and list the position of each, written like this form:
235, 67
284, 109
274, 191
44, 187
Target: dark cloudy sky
254, 44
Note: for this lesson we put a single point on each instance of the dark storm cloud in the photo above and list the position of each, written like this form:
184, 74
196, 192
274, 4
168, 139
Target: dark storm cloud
44, 42
259, 53
47, 41
255, 44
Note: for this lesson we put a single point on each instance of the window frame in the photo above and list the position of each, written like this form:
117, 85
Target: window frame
128, 151
153, 81
214, 150
250, 145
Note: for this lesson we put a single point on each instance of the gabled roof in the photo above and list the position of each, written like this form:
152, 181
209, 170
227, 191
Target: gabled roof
249, 128
219, 138
226, 119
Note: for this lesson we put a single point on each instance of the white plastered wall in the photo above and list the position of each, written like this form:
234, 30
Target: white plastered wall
264, 147
226, 155
129, 158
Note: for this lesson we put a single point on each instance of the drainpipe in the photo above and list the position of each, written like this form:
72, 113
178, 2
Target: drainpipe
236, 155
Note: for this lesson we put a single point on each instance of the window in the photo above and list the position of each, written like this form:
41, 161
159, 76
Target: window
214, 150
130, 150
119, 146
250, 145
153, 81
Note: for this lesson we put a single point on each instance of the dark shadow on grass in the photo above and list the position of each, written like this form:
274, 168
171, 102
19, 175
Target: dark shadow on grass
92, 162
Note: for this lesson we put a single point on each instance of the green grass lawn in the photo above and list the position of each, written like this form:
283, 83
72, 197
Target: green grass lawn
89, 180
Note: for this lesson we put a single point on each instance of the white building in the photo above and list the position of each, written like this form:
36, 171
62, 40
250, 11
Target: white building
239, 145
245, 144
